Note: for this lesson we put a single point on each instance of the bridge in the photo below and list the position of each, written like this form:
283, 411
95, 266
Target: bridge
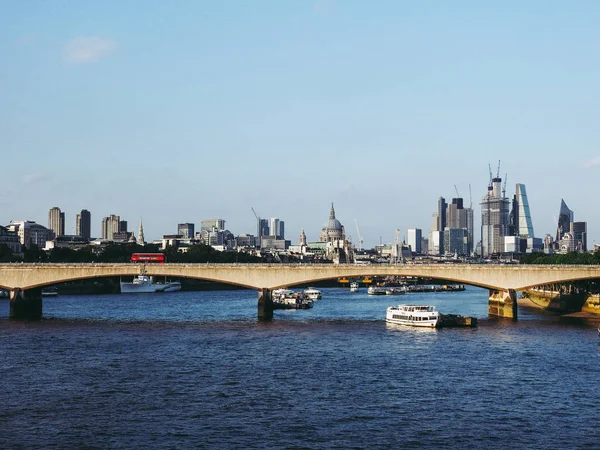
24, 281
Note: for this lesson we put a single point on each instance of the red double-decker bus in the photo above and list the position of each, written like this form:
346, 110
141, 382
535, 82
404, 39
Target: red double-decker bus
156, 258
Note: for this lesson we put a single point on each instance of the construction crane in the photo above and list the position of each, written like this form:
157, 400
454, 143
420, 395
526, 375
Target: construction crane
504, 185
457, 194
255, 215
360, 239
498, 171
491, 176
470, 196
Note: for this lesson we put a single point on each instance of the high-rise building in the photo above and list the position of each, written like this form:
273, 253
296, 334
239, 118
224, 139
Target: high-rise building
83, 224
56, 221
209, 224
441, 214
579, 233
414, 238
262, 229
186, 230
456, 241
457, 216
276, 228
565, 217
111, 225
494, 219
520, 224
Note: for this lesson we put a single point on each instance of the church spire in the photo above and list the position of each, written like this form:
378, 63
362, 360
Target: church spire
140, 239
331, 212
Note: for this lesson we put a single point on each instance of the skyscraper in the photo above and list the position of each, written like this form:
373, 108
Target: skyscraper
111, 225
520, 216
56, 221
276, 228
494, 219
413, 238
83, 224
262, 229
565, 217
441, 214
457, 217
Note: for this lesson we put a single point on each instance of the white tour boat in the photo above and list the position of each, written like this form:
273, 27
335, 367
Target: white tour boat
354, 286
145, 284
313, 294
413, 315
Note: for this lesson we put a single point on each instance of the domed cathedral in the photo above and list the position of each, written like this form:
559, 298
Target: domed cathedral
338, 249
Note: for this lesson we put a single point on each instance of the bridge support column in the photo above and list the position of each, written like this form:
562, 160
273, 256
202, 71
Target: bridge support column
26, 305
265, 304
503, 304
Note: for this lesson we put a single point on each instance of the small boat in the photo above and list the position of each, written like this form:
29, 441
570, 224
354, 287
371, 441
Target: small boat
281, 292
376, 290
313, 293
413, 315
354, 286
394, 291
295, 300
49, 291
146, 284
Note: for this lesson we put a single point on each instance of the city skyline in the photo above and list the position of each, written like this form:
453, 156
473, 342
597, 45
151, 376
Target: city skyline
202, 110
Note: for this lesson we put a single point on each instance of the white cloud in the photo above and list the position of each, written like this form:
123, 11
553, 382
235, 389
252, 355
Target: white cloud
83, 50
592, 162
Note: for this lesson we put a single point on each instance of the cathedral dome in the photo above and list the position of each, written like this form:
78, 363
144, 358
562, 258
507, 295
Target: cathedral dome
332, 229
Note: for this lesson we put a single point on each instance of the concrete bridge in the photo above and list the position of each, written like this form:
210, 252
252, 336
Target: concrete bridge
24, 281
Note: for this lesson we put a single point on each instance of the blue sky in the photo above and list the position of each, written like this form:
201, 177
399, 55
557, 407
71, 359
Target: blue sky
183, 111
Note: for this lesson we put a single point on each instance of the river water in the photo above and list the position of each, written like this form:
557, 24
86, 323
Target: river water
197, 370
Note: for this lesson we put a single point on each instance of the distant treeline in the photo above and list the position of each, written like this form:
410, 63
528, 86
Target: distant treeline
567, 258
121, 253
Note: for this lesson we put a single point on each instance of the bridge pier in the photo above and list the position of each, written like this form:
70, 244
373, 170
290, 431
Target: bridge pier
265, 304
503, 304
26, 304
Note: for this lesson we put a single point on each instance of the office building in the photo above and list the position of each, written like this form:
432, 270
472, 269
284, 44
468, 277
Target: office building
83, 225
457, 217
494, 219
209, 224
441, 214
414, 239
262, 229
112, 225
456, 241
276, 228
10, 239
520, 223
186, 230
565, 217
579, 232
56, 221
31, 233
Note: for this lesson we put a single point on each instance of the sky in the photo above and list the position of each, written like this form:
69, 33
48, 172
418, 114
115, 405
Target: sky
182, 111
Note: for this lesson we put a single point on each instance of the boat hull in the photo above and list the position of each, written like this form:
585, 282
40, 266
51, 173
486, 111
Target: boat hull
148, 288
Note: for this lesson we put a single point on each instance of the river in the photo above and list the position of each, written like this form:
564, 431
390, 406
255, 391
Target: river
197, 370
